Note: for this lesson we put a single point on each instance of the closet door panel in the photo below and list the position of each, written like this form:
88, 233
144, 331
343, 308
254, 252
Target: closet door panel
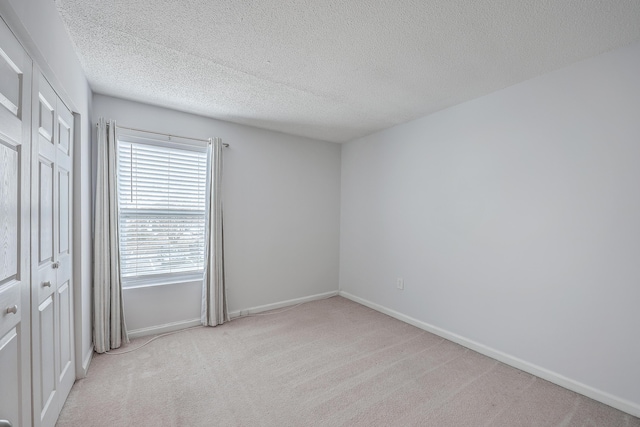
47, 380
13, 64
15, 157
10, 358
44, 147
45, 211
9, 210
44, 338
44, 244
63, 192
65, 130
10, 83
65, 323
44, 283
64, 217
64, 276
45, 114
10, 352
63, 227
52, 330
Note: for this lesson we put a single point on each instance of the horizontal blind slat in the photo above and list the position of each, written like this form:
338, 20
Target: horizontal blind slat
161, 192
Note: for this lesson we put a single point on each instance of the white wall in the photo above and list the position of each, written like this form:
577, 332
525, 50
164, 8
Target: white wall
514, 220
40, 28
281, 205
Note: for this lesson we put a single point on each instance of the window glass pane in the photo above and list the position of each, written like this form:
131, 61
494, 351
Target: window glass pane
162, 201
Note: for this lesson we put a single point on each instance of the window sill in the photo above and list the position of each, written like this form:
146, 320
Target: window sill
161, 282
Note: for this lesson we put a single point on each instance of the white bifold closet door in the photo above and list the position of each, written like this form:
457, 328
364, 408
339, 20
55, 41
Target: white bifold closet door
52, 297
15, 122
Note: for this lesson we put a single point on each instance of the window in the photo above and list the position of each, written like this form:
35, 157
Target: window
161, 194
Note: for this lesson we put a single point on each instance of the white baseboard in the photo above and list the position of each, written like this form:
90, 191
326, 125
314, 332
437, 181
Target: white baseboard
86, 361
170, 327
161, 329
276, 305
568, 383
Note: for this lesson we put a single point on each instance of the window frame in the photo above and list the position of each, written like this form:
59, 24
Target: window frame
135, 137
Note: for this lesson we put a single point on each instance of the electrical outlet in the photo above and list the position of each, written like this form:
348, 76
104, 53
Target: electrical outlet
400, 283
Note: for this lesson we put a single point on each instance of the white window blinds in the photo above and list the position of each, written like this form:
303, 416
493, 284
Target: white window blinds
161, 190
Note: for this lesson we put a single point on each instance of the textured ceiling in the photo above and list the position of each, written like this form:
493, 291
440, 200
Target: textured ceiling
332, 70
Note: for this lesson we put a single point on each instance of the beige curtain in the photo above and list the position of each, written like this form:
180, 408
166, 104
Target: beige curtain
214, 298
109, 329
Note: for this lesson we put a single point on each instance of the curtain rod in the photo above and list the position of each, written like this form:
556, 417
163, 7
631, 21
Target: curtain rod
165, 134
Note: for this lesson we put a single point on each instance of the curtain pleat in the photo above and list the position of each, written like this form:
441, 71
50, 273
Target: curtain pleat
109, 328
214, 298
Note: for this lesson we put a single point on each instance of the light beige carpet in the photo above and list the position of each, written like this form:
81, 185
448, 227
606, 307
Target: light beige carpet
326, 363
